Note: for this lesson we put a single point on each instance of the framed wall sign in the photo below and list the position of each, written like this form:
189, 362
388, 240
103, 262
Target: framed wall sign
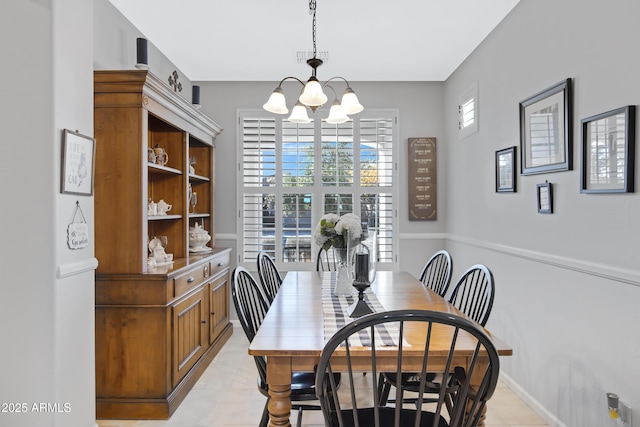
506, 170
608, 152
423, 198
78, 160
545, 198
545, 130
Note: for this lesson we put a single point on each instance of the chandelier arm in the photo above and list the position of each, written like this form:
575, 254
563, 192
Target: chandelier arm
334, 78
291, 77
335, 95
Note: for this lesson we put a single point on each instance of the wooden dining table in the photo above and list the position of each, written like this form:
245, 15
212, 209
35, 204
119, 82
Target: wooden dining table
292, 334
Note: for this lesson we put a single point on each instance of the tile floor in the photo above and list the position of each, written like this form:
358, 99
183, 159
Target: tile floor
227, 396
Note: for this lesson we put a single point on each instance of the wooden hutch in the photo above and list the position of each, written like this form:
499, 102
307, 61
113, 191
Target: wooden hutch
157, 328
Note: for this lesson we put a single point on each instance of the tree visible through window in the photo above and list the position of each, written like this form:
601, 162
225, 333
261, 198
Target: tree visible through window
285, 189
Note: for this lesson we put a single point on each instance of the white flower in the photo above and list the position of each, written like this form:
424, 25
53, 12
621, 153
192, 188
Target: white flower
318, 234
330, 217
330, 231
351, 223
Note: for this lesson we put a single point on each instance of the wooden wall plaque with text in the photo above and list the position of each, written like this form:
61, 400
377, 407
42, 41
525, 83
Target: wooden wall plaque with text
423, 199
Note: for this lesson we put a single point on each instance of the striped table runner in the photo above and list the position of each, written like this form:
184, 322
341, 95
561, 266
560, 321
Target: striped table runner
335, 308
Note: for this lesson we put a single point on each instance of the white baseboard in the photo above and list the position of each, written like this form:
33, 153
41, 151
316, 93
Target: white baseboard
547, 416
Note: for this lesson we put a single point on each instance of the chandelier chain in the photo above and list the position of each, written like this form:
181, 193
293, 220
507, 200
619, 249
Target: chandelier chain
312, 11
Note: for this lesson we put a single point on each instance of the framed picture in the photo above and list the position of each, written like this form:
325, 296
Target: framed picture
608, 152
78, 159
545, 198
545, 130
506, 170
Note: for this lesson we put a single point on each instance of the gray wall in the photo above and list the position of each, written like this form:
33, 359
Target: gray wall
46, 320
567, 283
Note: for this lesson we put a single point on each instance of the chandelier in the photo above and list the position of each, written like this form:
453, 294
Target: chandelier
312, 94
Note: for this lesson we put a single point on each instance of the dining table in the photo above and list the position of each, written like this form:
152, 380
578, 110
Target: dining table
296, 327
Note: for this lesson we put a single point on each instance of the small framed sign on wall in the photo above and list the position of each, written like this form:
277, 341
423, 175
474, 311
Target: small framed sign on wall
423, 190
545, 198
78, 160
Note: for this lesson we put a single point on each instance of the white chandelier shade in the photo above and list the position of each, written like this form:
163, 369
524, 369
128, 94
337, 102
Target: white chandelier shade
350, 103
312, 95
277, 103
299, 114
336, 114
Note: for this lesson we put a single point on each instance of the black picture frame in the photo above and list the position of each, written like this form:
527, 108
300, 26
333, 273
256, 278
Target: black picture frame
78, 161
608, 151
545, 198
506, 165
545, 130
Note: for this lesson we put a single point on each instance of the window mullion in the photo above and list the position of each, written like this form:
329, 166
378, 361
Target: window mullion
317, 192
278, 192
357, 187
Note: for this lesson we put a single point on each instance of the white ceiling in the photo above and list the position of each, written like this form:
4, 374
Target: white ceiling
373, 40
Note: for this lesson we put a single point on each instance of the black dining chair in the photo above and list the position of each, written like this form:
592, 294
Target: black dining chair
269, 276
436, 274
361, 406
473, 295
251, 307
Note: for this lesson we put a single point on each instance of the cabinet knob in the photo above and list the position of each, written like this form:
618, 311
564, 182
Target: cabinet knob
213, 313
219, 264
190, 279
203, 321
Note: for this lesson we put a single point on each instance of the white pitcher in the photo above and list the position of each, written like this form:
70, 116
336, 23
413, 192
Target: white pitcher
153, 208
163, 207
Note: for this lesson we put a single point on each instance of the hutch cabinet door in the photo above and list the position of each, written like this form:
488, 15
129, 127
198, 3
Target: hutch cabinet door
219, 314
190, 332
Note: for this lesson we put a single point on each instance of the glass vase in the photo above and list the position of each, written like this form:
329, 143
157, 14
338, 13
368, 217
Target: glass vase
344, 278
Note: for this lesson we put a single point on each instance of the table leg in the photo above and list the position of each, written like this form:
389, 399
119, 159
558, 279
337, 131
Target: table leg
476, 379
279, 380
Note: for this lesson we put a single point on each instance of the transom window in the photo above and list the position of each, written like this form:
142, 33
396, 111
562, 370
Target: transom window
468, 107
290, 174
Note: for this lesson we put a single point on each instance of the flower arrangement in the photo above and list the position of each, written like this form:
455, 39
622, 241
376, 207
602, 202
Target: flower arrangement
333, 230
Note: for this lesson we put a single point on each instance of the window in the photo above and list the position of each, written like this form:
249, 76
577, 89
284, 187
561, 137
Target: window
290, 174
468, 112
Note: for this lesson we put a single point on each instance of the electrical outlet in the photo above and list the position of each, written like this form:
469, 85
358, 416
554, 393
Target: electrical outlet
624, 411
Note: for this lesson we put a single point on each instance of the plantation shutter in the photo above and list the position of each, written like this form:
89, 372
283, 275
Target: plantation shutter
285, 168
259, 183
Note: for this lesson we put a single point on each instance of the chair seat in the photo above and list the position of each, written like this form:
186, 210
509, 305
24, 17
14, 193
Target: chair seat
366, 417
303, 386
411, 381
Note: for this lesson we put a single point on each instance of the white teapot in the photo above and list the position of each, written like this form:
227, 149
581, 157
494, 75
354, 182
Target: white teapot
198, 238
163, 207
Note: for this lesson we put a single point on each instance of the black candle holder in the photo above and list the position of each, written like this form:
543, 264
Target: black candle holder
360, 307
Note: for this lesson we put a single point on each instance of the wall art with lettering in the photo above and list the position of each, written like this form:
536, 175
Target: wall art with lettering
423, 189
